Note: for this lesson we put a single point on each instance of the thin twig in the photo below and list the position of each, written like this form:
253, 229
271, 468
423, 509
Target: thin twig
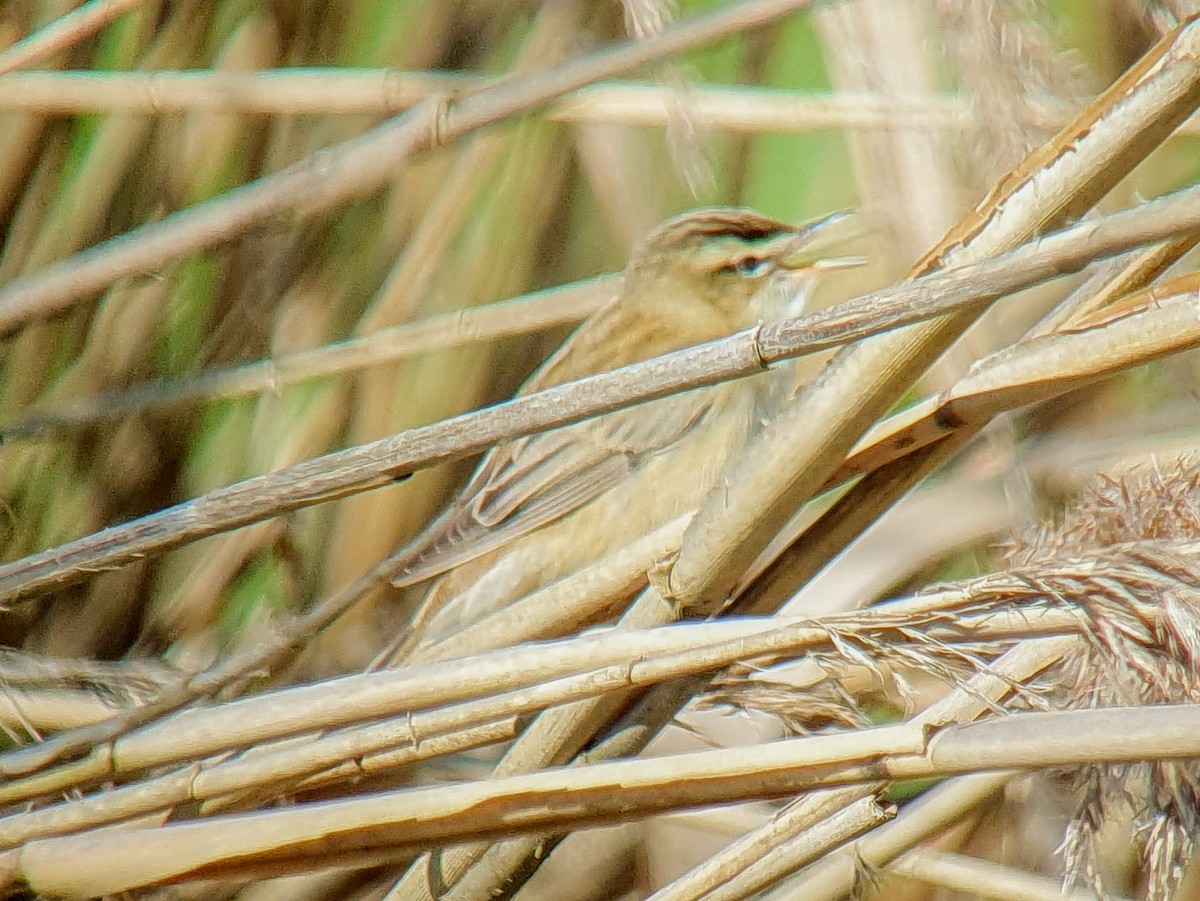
983, 878
330, 91
522, 315
64, 32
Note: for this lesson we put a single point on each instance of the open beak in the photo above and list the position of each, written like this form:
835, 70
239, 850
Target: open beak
829, 264
815, 238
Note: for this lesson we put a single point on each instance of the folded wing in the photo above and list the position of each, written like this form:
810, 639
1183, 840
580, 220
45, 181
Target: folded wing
533, 481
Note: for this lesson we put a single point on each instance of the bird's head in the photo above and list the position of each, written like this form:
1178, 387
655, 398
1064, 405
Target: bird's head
724, 257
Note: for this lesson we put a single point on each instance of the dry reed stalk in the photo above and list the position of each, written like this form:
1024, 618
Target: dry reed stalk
294, 284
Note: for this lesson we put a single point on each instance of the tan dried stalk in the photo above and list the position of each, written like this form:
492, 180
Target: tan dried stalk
1088, 339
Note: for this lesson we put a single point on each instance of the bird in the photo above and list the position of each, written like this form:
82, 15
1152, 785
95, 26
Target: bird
542, 506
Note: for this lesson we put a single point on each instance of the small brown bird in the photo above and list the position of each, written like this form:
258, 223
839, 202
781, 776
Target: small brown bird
541, 507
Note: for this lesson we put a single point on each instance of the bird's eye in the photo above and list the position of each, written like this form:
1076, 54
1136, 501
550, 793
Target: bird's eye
750, 265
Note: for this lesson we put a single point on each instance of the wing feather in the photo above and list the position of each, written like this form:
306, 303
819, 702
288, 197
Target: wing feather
531, 482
